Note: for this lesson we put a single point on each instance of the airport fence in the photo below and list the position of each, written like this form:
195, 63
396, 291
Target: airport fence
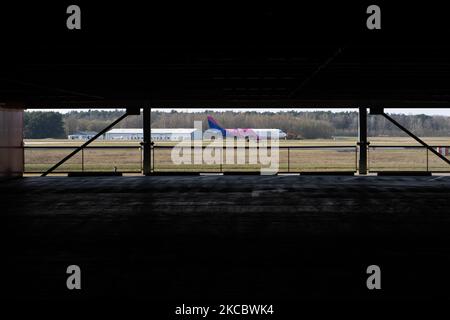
292, 159
406, 158
126, 159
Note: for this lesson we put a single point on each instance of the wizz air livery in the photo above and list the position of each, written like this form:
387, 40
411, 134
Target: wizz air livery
247, 132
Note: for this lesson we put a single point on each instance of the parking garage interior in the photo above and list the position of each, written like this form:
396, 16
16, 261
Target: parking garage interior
173, 238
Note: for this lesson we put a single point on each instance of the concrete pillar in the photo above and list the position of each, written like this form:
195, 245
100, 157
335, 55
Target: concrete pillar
362, 140
147, 140
11, 141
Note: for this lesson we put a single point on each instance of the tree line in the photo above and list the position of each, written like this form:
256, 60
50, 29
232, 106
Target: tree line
297, 124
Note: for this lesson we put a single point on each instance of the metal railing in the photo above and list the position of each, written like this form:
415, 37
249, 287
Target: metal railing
292, 159
405, 158
126, 159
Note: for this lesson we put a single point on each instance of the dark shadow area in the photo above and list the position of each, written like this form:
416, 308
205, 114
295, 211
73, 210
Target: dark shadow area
219, 238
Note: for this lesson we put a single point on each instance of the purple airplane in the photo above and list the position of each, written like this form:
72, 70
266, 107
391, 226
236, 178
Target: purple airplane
245, 133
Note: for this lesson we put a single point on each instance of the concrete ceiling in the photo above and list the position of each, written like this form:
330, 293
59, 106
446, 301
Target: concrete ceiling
224, 56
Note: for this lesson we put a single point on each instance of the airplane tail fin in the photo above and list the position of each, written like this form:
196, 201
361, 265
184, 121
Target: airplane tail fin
212, 123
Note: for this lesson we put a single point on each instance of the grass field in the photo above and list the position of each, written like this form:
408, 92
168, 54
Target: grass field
129, 158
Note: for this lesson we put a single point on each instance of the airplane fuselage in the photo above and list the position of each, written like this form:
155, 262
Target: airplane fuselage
255, 133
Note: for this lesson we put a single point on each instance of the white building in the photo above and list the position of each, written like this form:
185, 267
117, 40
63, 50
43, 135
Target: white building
82, 135
156, 134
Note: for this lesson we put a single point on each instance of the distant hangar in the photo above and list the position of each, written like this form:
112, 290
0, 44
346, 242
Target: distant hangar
81, 135
175, 134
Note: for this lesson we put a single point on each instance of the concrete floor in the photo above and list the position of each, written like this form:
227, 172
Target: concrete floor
183, 238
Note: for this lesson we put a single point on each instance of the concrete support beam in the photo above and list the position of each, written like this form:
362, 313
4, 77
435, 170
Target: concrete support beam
147, 141
363, 144
11, 141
